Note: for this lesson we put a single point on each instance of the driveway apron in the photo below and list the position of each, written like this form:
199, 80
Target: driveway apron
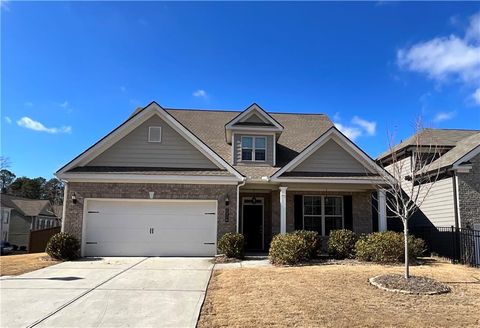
108, 292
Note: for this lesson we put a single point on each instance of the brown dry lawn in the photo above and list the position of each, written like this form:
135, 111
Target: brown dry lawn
12, 265
338, 296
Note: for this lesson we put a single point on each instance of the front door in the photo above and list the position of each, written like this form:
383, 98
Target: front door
253, 225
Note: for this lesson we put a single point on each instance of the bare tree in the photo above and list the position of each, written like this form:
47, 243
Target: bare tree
413, 178
4, 162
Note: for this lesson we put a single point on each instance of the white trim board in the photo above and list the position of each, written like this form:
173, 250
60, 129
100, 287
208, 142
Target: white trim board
471, 154
254, 109
251, 110
145, 178
128, 126
329, 180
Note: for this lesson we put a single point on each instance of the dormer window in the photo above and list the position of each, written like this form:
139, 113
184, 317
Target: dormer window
254, 148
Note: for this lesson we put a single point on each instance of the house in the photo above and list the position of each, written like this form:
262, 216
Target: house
454, 157
20, 216
172, 181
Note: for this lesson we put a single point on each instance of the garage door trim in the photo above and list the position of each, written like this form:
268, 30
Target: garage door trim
163, 200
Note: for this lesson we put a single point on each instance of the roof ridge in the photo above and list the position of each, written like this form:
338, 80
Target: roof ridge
21, 198
238, 111
452, 129
205, 110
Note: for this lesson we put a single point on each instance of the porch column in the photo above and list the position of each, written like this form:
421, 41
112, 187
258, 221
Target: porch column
382, 210
283, 210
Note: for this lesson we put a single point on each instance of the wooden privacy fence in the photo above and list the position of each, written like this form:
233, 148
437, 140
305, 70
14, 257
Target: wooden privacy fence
39, 239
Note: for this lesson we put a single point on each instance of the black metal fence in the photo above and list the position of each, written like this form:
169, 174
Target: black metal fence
458, 245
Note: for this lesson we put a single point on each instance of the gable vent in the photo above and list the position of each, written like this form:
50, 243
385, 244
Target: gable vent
155, 134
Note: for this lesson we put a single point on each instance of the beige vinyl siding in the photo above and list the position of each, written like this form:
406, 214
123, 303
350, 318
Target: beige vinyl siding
438, 206
405, 167
331, 157
237, 144
135, 150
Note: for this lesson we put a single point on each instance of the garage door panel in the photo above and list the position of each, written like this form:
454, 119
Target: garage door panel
124, 228
107, 221
151, 207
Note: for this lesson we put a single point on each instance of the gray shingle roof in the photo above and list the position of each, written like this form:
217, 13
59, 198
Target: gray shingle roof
27, 207
300, 130
434, 137
462, 148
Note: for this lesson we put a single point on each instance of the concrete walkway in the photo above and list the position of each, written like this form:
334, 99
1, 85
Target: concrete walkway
108, 292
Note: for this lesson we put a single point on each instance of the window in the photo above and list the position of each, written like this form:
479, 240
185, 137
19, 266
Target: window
155, 134
254, 148
333, 214
312, 213
322, 213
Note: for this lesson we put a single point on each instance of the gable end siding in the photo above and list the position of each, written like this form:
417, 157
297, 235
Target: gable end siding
135, 150
331, 157
253, 119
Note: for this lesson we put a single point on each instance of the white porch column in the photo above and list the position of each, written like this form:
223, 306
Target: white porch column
283, 210
382, 210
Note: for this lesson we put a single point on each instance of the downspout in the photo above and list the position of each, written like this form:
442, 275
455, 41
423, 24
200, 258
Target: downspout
244, 181
455, 199
64, 210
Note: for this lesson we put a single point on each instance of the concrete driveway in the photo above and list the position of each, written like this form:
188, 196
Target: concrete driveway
108, 292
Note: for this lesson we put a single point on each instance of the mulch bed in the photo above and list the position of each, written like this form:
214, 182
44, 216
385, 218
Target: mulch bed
413, 285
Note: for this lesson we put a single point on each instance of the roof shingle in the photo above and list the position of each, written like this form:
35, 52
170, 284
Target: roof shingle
300, 130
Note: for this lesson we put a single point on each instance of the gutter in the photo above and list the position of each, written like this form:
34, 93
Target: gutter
244, 181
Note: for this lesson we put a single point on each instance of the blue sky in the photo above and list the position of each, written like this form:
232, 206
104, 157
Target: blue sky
72, 71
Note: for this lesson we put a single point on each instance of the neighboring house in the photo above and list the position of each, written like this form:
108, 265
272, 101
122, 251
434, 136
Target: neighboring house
454, 199
172, 181
22, 215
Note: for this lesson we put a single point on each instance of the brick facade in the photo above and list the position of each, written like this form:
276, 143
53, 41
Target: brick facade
469, 195
361, 204
74, 212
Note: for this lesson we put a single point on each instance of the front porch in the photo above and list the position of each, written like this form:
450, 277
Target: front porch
267, 210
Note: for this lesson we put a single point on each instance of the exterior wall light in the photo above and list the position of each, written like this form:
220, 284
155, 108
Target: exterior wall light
74, 198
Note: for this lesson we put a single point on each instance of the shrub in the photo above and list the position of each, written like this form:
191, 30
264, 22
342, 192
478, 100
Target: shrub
232, 245
63, 246
388, 247
312, 241
341, 244
289, 248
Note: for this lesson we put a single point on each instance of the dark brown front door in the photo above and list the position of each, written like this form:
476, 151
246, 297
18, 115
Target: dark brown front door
253, 227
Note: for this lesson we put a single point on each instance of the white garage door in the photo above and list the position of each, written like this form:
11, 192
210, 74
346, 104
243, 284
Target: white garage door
150, 228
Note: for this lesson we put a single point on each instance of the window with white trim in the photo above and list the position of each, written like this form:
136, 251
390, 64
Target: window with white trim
155, 134
322, 213
254, 149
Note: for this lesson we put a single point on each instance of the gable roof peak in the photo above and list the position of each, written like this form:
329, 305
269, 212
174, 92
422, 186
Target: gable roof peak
263, 122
